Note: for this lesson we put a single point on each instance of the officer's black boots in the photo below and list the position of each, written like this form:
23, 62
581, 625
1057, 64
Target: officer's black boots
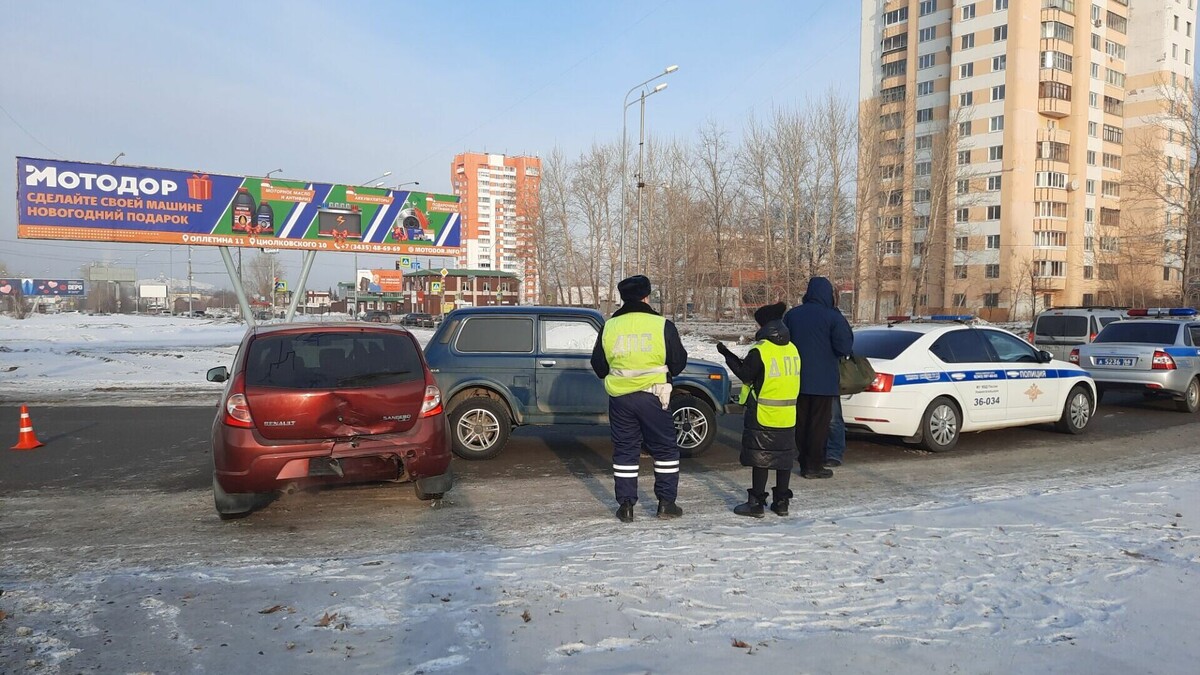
668, 510
753, 506
780, 503
625, 512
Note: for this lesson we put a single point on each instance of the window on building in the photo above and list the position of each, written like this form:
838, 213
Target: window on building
1114, 77
1095, 42
895, 16
999, 62
991, 271
1117, 22
895, 43
968, 11
960, 271
1000, 5
996, 123
966, 98
921, 195
1088, 273
993, 183
1108, 272
922, 168
925, 88
925, 115
1093, 129
961, 243
1050, 209
926, 61
1089, 186
1089, 215
1057, 61
918, 248
1051, 179
1091, 158
1058, 31
1166, 273
924, 142
966, 70
892, 94
960, 299
993, 213
927, 34
927, 7
1050, 239
1114, 49
921, 223
967, 41
1095, 71
995, 153
894, 68
964, 157
1110, 188
1053, 150
1108, 244
963, 186
1056, 90
998, 93
1113, 134
964, 129
962, 215
891, 247
1000, 33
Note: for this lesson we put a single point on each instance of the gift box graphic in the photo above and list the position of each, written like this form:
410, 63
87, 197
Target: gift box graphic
199, 187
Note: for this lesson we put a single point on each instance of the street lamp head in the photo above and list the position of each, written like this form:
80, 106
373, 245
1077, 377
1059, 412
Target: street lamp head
273, 171
670, 69
660, 87
114, 160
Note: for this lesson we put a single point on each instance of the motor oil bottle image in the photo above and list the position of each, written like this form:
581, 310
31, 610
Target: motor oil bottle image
243, 211
264, 220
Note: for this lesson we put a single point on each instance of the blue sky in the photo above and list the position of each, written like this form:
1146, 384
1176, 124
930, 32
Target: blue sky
346, 91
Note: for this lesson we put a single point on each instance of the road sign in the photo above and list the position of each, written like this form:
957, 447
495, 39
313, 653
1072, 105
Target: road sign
435, 287
416, 264
445, 272
281, 287
405, 262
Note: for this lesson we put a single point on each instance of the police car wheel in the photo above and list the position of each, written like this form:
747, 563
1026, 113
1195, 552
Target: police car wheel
940, 425
1190, 402
1077, 411
479, 428
695, 425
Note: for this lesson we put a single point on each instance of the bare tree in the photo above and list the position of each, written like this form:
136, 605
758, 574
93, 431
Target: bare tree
595, 184
717, 188
258, 276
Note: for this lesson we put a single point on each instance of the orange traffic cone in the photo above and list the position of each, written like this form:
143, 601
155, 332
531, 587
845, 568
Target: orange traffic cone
27, 440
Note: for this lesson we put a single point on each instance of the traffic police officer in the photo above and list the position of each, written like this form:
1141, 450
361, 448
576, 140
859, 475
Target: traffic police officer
636, 355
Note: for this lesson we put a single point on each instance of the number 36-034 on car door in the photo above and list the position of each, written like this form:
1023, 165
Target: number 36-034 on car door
987, 400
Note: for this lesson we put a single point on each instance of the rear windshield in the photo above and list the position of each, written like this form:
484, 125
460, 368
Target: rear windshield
883, 344
347, 360
1139, 332
1061, 326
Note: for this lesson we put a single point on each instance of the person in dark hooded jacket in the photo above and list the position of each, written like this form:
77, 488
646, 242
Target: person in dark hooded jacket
822, 336
770, 376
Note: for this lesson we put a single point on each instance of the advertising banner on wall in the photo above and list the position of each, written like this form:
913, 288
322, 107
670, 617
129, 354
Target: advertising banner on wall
380, 281
79, 201
42, 287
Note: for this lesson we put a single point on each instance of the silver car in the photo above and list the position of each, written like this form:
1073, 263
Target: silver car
1158, 355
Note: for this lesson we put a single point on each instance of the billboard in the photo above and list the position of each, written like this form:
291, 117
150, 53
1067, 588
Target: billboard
380, 281
78, 201
155, 291
43, 287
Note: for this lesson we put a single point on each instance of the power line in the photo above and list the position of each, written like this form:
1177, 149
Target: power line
27, 133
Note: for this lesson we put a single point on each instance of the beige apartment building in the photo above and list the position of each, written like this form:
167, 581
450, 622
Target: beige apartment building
996, 136
498, 204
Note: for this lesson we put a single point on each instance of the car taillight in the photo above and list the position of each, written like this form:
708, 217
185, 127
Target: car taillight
1162, 361
1029, 337
237, 409
433, 402
1092, 337
881, 384
1074, 356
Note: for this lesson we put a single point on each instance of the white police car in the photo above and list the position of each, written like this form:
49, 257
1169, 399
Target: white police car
939, 376
1155, 350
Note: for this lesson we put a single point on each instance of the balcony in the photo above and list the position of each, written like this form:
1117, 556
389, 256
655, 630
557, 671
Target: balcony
1054, 107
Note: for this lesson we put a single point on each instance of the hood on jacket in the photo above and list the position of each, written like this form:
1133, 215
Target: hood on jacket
820, 291
775, 332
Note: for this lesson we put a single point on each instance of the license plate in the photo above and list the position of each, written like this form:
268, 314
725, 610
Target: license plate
1119, 362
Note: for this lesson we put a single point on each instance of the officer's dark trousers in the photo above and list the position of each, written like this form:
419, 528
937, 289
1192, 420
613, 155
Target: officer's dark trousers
636, 418
812, 430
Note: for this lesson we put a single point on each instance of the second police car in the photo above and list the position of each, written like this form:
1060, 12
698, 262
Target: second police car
1155, 350
940, 376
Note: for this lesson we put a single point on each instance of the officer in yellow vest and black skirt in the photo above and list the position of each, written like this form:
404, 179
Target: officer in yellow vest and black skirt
770, 375
636, 355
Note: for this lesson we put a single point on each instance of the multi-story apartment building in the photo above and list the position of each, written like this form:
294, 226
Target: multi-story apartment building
499, 204
994, 136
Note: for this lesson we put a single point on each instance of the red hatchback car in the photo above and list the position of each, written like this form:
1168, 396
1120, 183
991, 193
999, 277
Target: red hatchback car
311, 404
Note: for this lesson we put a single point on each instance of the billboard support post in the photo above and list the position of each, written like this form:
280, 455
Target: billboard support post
309, 257
237, 286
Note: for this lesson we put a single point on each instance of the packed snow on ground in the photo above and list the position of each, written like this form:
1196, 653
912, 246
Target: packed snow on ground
1096, 578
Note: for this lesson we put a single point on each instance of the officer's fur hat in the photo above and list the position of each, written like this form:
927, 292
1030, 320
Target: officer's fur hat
768, 313
634, 289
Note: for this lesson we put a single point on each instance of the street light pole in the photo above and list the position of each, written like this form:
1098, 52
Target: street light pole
624, 109
640, 178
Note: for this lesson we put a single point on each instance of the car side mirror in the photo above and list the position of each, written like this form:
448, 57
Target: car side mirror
1044, 356
218, 374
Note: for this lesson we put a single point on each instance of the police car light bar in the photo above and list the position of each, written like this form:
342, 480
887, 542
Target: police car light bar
931, 317
1163, 311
